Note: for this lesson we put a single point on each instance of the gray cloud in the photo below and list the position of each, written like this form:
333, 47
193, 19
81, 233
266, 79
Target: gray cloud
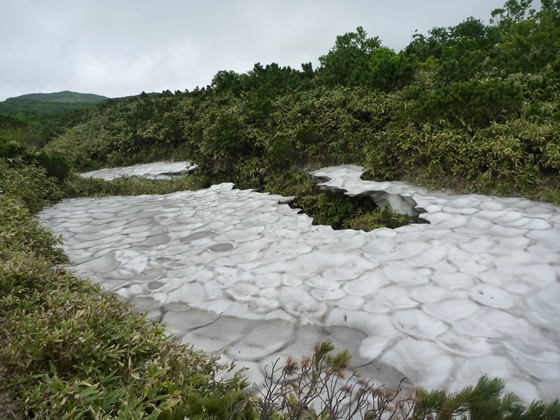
118, 48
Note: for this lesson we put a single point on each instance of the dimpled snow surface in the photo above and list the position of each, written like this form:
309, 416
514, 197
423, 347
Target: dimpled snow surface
474, 292
158, 170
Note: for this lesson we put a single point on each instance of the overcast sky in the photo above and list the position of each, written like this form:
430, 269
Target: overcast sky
123, 47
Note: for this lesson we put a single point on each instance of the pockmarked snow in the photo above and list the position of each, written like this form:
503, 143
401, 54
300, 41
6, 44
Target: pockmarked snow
474, 292
158, 170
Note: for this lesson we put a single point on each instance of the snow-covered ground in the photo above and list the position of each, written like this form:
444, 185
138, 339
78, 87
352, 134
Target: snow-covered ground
475, 292
158, 170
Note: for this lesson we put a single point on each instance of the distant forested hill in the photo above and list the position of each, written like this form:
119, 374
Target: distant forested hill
36, 118
49, 103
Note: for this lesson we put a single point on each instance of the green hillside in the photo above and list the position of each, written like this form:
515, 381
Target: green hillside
64, 96
49, 103
34, 119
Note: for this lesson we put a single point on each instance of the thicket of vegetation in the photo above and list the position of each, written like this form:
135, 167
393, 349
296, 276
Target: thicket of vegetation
37, 130
474, 107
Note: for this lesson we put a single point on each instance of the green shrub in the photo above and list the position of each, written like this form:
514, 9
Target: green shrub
20, 232
11, 149
470, 105
55, 164
485, 401
73, 350
518, 157
378, 218
28, 183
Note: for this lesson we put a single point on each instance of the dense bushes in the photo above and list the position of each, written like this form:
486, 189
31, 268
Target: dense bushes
54, 163
516, 158
28, 183
72, 351
468, 105
441, 135
474, 106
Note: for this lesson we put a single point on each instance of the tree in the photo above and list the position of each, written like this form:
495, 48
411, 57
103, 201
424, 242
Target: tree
391, 71
348, 62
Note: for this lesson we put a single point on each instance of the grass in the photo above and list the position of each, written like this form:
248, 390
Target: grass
77, 186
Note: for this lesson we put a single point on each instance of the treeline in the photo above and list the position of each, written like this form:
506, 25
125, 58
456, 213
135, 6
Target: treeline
475, 107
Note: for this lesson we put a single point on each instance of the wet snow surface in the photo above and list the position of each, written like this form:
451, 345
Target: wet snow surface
475, 292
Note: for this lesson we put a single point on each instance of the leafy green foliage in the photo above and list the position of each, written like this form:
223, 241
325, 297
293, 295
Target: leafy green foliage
9, 149
263, 81
72, 350
231, 404
390, 71
348, 62
516, 158
472, 104
20, 233
461, 50
133, 130
54, 163
36, 130
77, 186
378, 218
485, 401
28, 184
